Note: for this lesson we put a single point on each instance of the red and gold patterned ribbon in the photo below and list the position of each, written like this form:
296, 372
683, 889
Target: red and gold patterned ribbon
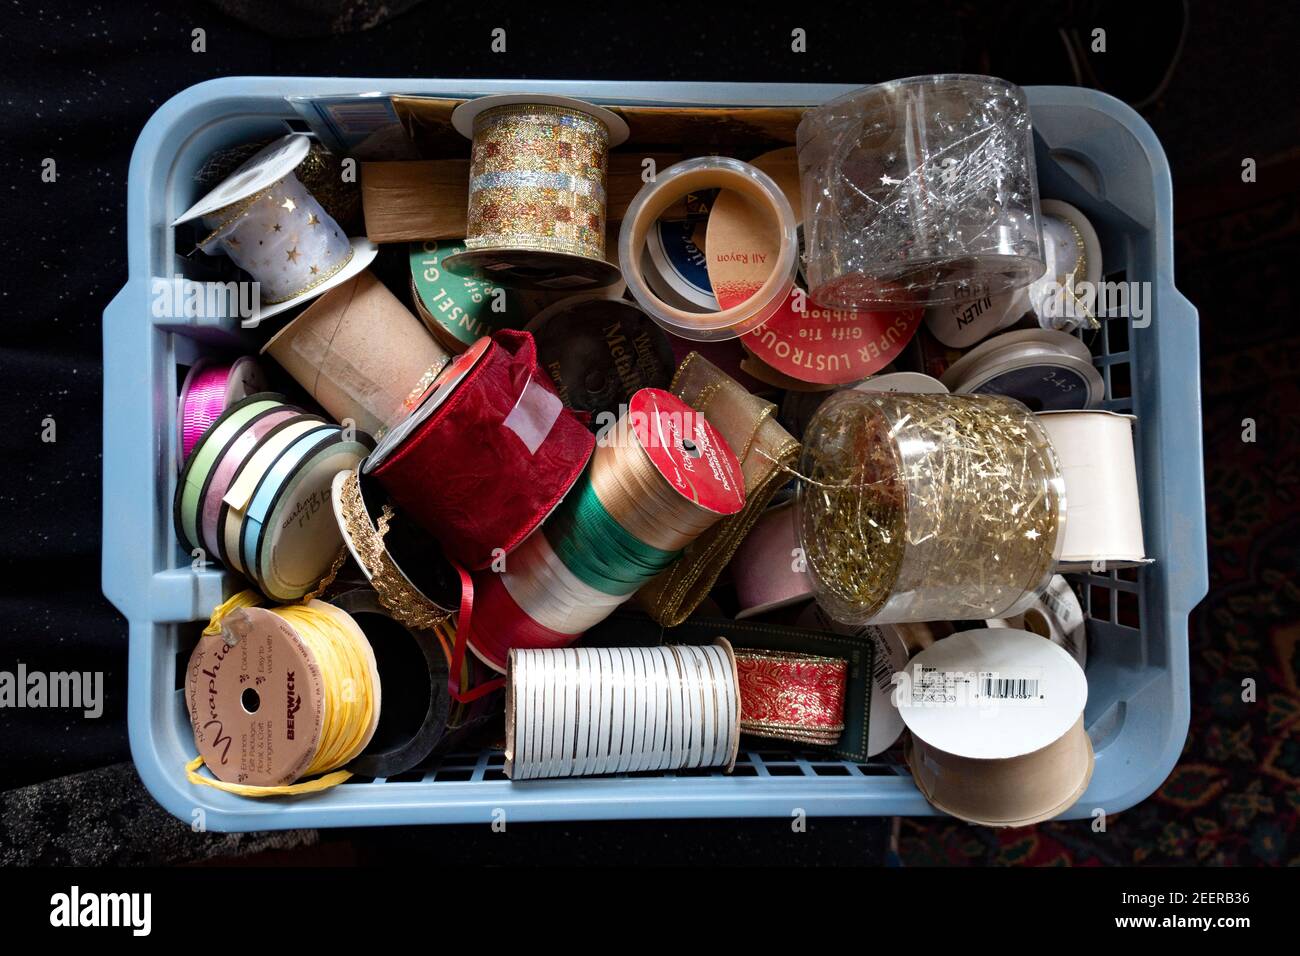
791, 696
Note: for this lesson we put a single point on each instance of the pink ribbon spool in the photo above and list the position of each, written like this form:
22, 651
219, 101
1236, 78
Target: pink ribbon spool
768, 568
209, 389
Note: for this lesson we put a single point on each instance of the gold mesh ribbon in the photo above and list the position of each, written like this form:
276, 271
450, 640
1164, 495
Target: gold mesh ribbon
765, 451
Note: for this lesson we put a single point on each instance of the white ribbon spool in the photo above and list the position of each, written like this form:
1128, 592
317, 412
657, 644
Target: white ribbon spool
1103, 527
585, 711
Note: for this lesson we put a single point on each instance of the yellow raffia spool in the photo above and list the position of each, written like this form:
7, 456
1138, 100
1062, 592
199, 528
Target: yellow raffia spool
278, 695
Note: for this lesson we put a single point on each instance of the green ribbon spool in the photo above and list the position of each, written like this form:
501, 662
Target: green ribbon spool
597, 549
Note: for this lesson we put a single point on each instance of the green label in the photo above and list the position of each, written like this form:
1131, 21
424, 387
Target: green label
463, 307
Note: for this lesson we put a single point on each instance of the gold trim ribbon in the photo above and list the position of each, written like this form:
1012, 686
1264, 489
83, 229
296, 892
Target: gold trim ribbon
406, 603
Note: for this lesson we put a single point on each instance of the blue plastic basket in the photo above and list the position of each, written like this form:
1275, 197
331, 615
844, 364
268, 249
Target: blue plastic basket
1092, 151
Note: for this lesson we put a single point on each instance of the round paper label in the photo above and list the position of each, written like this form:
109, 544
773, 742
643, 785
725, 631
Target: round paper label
681, 261
1040, 387
464, 308
687, 451
255, 704
598, 352
992, 694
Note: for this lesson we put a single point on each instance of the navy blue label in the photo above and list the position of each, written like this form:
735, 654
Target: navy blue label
1041, 387
685, 257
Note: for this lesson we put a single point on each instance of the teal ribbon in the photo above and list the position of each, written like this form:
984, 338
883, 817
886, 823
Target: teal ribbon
597, 549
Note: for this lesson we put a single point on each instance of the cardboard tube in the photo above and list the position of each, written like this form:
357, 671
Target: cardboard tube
360, 353
1103, 527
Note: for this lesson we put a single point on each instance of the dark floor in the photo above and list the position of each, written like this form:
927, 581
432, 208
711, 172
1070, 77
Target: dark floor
78, 88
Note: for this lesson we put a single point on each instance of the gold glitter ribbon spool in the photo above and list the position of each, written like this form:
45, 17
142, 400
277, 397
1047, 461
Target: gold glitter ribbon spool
928, 507
537, 183
765, 451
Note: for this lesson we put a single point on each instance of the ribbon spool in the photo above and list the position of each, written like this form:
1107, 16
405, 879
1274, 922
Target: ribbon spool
660, 478
413, 675
1073, 254
916, 188
769, 569
758, 299
928, 507
1057, 616
790, 696
212, 463
996, 721
675, 266
252, 491
208, 390
1104, 526
405, 566
271, 226
765, 451
975, 315
1043, 369
492, 413
600, 351
585, 711
537, 191
798, 408
457, 311
276, 695
799, 340
287, 543
360, 353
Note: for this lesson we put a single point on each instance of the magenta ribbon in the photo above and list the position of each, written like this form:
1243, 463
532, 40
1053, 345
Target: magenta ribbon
205, 400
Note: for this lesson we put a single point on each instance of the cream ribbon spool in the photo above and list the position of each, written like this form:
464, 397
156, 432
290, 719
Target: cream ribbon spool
996, 721
1103, 527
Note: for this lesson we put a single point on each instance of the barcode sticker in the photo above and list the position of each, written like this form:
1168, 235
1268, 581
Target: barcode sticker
1010, 687
953, 688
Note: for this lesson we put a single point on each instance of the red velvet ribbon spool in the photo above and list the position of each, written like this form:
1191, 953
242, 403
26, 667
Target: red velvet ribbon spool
489, 464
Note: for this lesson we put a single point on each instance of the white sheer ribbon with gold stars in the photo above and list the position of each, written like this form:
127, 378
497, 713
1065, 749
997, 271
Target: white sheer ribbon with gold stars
281, 237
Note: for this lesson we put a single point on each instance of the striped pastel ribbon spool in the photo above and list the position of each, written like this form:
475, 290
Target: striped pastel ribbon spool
585, 711
626, 520
208, 390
